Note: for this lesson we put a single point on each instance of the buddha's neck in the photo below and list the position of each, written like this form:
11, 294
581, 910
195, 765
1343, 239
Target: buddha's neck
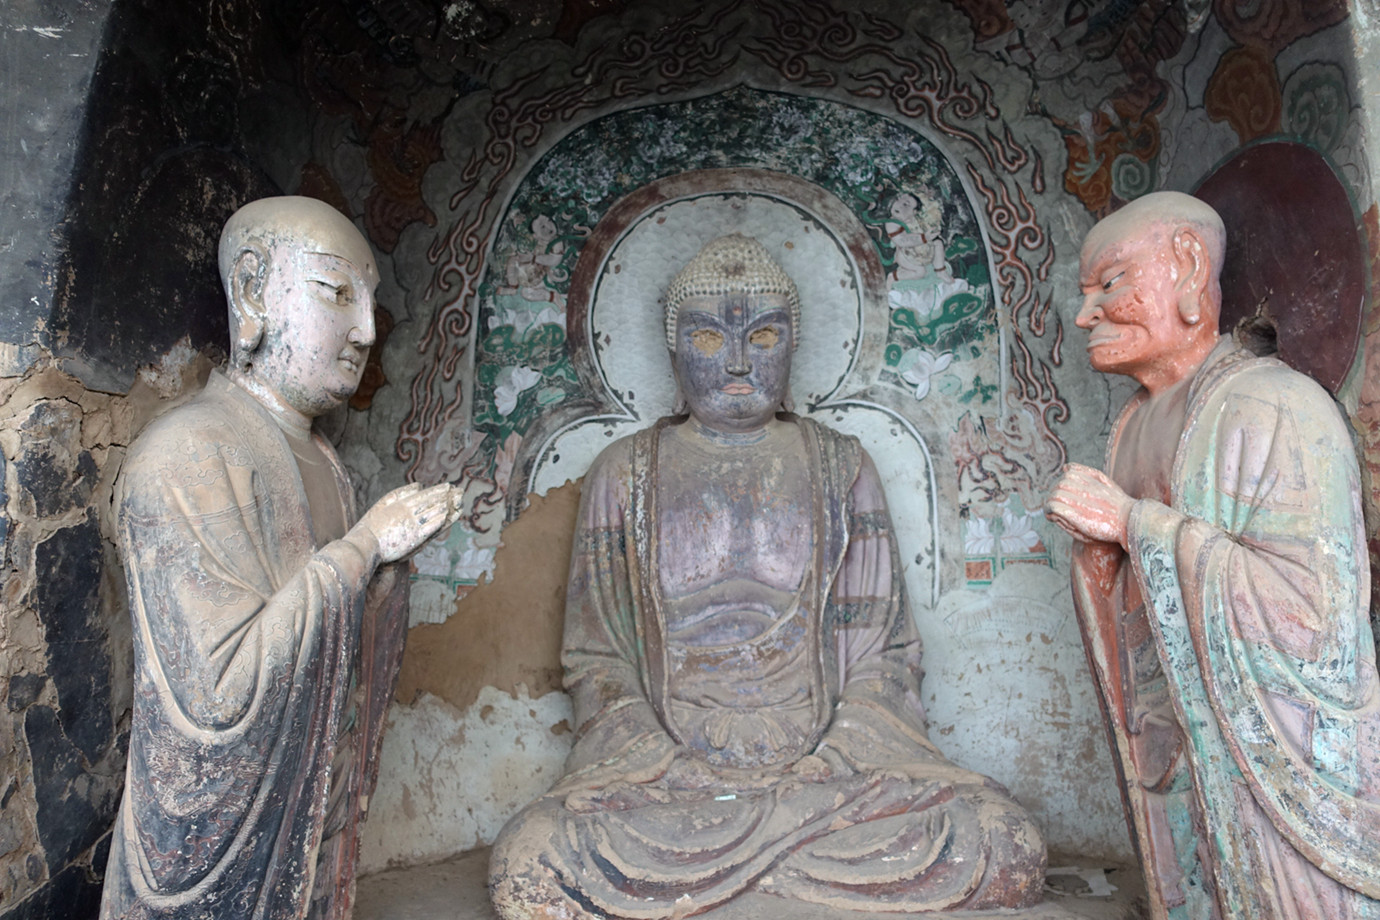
726, 437
289, 419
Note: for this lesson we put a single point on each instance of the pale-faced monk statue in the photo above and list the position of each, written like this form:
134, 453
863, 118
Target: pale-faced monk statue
1221, 581
268, 627
744, 669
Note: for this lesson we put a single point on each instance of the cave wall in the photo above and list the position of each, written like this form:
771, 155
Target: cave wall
1052, 114
134, 128
132, 131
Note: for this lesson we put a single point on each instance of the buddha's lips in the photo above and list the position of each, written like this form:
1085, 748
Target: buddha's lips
738, 389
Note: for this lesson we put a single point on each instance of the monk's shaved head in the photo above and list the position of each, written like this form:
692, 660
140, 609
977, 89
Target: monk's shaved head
1151, 281
1166, 212
312, 225
261, 238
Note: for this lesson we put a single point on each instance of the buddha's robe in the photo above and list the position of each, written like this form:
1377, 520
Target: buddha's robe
795, 763
1242, 694
264, 663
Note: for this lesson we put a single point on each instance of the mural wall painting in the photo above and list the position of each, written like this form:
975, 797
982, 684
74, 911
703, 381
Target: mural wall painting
937, 282
1043, 114
859, 144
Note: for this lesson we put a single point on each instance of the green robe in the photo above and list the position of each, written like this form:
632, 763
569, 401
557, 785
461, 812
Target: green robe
1256, 584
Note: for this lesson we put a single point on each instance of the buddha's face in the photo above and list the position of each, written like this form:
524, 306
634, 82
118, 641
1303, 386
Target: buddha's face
733, 358
319, 311
1130, 308
543, 229
904, 208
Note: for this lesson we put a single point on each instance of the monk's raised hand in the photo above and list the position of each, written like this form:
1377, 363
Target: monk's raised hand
1086, 503
457, 502
405, 518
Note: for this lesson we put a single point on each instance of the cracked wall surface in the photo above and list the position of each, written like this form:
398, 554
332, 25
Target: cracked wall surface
64, 633
121, 153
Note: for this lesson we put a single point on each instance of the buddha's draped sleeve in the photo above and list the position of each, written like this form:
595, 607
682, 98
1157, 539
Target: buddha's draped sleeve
1259, 604
243, 637
879, 719
603, 657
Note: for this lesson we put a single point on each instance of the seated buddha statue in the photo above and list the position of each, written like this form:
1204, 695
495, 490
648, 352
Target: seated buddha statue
744, 670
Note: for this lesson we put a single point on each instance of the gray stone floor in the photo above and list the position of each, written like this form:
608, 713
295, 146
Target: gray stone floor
454, 890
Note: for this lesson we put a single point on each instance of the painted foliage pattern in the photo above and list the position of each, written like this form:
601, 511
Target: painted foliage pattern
515, 311
869, 162
1137, 91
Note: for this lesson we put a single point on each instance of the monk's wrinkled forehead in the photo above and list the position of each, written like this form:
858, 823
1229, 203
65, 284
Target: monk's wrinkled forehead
1151, 220
1118, 236
292, 224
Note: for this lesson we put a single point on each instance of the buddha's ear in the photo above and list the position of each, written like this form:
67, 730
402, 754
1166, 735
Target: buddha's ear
1195, 273
680, 405
245, 291
788, 402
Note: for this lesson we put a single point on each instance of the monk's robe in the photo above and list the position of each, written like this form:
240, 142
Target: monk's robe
889, 826
264, 661
1242, 694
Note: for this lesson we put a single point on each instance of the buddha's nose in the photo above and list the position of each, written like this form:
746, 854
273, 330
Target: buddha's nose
737, 363
362, 332
1091, 308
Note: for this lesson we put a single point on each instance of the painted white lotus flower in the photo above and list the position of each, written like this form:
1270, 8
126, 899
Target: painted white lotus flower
550, 316
1018, 533
524, 320
927, 301
923, 366
922, 302
519, 379
977, 537
433, 559
474, 562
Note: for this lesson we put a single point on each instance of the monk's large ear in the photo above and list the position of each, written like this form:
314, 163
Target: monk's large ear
1195, 273
245, 289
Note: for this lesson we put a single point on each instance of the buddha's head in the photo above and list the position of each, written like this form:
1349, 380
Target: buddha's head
300, 283
732, 322
1150, 276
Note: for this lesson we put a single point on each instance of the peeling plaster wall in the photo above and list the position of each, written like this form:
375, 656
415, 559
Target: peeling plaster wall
130, 132
65, 636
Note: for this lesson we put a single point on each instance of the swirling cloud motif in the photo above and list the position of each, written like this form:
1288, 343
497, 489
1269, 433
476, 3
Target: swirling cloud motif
506, 394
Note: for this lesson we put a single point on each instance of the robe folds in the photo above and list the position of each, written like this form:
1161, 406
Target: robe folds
1256, 589
893, 826
261, 659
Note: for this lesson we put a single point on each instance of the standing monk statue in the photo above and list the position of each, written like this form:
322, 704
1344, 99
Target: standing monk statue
268, 624
744, 669
1221, 581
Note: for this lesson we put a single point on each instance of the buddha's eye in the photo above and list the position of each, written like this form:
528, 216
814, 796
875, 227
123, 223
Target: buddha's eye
1111, 282
765, 337
329, 290
707, 340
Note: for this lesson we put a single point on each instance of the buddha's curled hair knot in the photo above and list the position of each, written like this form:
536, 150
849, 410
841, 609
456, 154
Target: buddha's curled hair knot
733, 264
